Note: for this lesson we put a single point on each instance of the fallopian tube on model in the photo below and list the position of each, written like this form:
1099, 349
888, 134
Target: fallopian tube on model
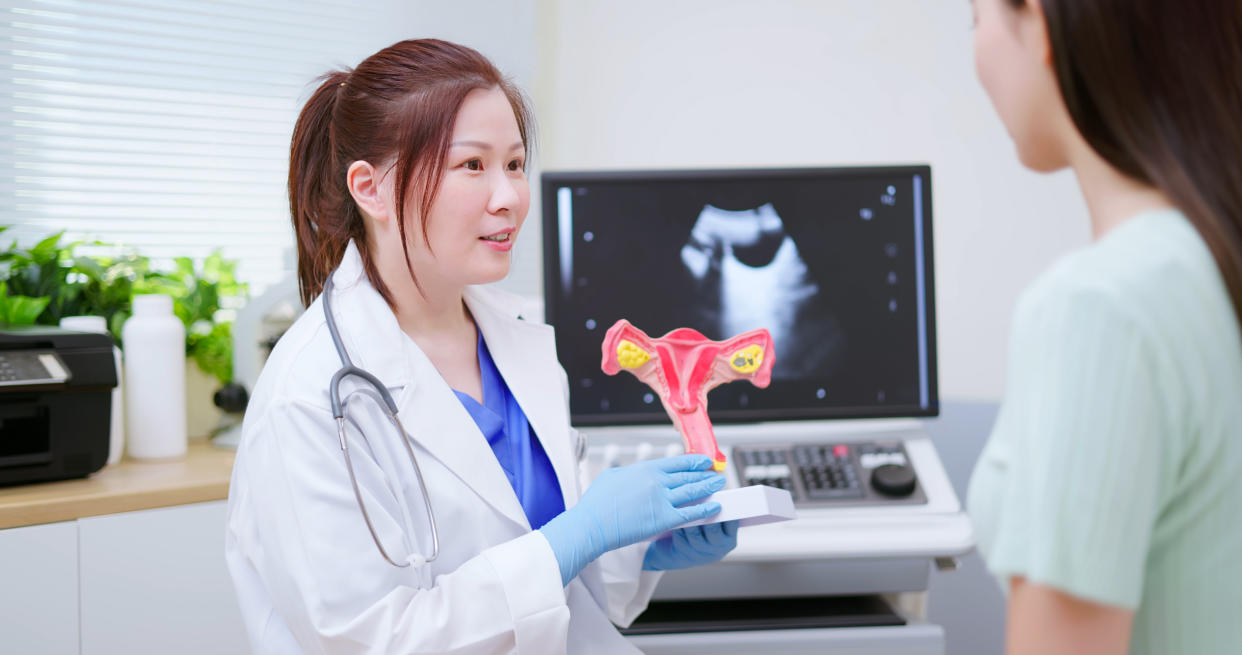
682, 366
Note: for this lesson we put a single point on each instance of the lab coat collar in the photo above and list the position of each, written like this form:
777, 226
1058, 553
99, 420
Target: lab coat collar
524, 353
368, 327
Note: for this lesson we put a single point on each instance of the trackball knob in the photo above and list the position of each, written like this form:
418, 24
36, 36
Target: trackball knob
893, 480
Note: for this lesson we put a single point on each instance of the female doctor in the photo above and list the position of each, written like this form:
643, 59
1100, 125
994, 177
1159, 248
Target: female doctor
460, 525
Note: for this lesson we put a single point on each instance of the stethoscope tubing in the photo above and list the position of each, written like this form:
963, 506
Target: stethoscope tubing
390, 409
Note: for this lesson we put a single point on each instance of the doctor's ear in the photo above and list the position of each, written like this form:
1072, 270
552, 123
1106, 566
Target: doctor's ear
1034, 28
365, 184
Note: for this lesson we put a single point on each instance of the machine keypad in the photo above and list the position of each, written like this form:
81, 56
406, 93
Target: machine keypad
767, 467
824, 473
827, 472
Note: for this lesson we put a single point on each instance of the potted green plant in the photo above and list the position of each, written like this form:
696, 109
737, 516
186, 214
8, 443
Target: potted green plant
52, 279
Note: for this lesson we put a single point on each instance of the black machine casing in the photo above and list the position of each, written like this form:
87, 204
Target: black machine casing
56, 428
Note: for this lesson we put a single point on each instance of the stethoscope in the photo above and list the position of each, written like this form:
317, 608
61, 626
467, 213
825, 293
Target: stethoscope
380, 394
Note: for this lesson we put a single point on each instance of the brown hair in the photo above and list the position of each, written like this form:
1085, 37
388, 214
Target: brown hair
1155, 88
398, 103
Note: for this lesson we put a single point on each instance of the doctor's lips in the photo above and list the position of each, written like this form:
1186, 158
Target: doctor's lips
682, 366
502, 240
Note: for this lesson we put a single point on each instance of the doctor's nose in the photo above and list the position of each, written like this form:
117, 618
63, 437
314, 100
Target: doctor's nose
506, 194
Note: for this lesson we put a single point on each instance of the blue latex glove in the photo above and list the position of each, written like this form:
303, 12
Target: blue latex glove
629, 504
692, 546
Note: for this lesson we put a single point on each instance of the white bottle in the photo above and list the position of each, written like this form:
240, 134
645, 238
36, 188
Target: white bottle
154, 342
116, 435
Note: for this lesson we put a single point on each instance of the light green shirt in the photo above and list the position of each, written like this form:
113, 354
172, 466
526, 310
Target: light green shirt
1114, 471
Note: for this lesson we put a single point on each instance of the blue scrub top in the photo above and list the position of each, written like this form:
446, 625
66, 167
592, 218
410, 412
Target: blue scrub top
504, 424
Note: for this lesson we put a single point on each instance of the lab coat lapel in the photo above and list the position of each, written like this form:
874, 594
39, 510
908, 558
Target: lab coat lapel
525, 355
435, 418
428, 409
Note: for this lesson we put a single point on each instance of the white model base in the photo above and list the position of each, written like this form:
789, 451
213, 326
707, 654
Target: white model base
753, 505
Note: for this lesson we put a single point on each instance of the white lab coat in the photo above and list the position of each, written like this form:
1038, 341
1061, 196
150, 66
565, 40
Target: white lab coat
309, 578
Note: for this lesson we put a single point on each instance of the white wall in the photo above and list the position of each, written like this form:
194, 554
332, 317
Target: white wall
506, 36
719, 83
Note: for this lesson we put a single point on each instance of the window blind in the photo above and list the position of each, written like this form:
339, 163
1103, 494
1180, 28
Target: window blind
164, 125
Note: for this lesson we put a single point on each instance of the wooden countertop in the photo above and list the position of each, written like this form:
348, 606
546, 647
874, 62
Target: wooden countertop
202, 475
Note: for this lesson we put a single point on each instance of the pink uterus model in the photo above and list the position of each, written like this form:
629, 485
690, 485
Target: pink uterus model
682, 366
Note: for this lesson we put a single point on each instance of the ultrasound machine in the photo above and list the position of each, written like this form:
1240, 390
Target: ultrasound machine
837, 264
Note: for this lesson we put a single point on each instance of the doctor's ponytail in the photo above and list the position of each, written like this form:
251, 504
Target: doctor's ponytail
324, 215
397, 106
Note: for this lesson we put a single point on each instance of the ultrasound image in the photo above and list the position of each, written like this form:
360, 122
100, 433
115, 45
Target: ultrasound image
747, 273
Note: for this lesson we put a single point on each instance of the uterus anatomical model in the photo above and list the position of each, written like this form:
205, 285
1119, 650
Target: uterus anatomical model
682, 366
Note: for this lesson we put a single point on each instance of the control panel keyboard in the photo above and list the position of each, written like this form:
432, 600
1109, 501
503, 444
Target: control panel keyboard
856, 473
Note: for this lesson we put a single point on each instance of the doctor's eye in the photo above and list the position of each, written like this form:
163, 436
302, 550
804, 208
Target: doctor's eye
473, 164
517, 165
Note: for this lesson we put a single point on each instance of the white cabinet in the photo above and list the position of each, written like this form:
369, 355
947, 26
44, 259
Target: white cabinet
152, 581
155, 581
39, 589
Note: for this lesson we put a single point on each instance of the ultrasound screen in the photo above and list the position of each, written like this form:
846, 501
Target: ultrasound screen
835, 263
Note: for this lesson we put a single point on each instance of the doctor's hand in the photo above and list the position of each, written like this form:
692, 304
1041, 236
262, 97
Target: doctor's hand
628, 504
692, 546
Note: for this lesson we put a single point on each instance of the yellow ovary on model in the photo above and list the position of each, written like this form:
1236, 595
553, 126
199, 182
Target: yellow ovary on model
747, 360
629, 355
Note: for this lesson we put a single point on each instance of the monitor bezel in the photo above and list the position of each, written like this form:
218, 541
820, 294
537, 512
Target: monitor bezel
551, 180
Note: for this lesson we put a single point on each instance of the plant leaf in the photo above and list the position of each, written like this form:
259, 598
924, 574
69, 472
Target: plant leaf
24, 310
89, 266
48, 248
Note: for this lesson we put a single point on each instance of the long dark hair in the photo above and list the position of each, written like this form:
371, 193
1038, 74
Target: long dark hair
399, 102
1155, 88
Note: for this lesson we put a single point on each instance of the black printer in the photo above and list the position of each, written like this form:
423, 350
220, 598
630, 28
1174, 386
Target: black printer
55, 403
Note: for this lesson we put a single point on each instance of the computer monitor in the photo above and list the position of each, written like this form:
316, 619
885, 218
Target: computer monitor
835, 262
